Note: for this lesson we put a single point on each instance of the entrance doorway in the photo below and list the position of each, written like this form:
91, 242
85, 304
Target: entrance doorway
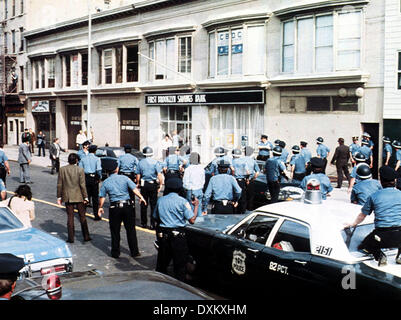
373, 130
129, 127
74, 124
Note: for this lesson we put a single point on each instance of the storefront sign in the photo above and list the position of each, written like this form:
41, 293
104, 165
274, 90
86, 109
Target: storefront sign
40, 106
223, 97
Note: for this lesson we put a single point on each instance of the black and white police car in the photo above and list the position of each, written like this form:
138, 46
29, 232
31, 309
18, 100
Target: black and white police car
292, 248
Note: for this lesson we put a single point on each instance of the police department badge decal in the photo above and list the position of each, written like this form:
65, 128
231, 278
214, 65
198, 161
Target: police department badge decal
238, 263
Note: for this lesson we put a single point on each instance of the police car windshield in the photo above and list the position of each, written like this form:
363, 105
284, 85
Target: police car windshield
8, 221
353, 237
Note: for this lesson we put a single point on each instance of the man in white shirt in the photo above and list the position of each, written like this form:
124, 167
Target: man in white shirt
165, 144
194, 179
80, 139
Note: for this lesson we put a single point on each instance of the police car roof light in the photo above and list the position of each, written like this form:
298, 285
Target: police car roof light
53, 287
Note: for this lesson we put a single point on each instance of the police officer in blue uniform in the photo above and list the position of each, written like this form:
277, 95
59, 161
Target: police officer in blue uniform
284, 152
397, 145
4, 166
171, 214
10, 266
367, 136
367, 152
317, 173
365, 187
93, 172
322, 151
353, 149
307, 154
386, 205
274, 168
264, 147
185, 153
120, 211
84, 151
254, 172
173, 166
223, 190
127, 166
298, 165
220, 154
149, 179
241, 172
359, 159
387, 150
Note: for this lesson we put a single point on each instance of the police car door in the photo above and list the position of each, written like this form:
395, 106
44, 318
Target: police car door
289, 253
244, 253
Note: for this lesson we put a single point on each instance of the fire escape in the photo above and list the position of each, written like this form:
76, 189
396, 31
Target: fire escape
8, 82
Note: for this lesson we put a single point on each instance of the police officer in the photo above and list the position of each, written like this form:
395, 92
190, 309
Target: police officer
353, 149
397, 145
322, 151
367, 152
120, 211
298, 165
365, 187
220, 154
93, 172
264, 147
4, 166
241, 172
366, 136
386, 205
274, 168
223, 190
171, 214
85, 150
387, 150
173, 165
149, 179
317, 173
127, 166
10, 266
284, 152
305, 152
254, 172
359, 159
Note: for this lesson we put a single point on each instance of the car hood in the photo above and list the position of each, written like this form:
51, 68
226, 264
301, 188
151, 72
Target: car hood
217, 222
34, 245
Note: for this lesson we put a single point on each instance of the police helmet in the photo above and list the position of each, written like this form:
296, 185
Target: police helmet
127, 148
147, 151
364, 142
219, 151
277, 142
92, 148
363, 171
282, 144
10, 265
263, 136
319, 140
317, 163
236, 153
396, 144
366, 135
295, 149
386, 139
86, 143
222, 164
277, 151
359, 157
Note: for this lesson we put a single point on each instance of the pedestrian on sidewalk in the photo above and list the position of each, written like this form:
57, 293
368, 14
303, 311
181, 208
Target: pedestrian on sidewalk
4, 166
54, 151
32, 141
41, 143
24, 159
71, 190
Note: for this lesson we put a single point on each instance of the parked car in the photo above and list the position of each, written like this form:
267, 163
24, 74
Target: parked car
292, 248
105, 153
42, 252
93, 285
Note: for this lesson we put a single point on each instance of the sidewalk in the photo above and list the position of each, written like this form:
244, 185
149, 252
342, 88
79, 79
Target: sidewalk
12, 154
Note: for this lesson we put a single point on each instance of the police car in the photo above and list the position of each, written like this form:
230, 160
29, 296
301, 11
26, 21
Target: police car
43, 253
292, 248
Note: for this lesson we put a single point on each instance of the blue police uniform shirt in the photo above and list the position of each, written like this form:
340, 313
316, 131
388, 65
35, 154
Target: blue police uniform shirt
306, 154
82, 154
398, 154
387, 148
252, 166
241, 169
284, 155
273, 167
363, 189
91, 164
127, 162
222, 187
187, 159
325, 185
298, 161
214, 168
322, 151
173, 211
366, 151
265, 152
173, 162
148, 168
3, 157
386, 204
371, 144
117, 187
354, 148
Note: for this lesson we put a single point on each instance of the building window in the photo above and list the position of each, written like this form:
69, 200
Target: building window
21, 6
21, 45
21, 68
12, 41
119, 64
42, 73
332, 103
36, 74
5, 9
177, 119
108, 65
13, 8
167, 65
67, 64
51, 72
5, 42
132, 63
310, 44
84, 69
228, 56
399, 71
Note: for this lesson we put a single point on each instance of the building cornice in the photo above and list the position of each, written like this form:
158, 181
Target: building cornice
174, 30
257, 16
254, 81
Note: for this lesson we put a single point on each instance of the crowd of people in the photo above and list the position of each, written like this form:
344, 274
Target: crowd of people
226, 186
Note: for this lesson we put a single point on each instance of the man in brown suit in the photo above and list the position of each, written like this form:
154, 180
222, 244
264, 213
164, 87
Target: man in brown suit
340, 159
71, 190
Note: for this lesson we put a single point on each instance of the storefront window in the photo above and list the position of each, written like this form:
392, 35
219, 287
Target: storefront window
177, 119
51, 72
